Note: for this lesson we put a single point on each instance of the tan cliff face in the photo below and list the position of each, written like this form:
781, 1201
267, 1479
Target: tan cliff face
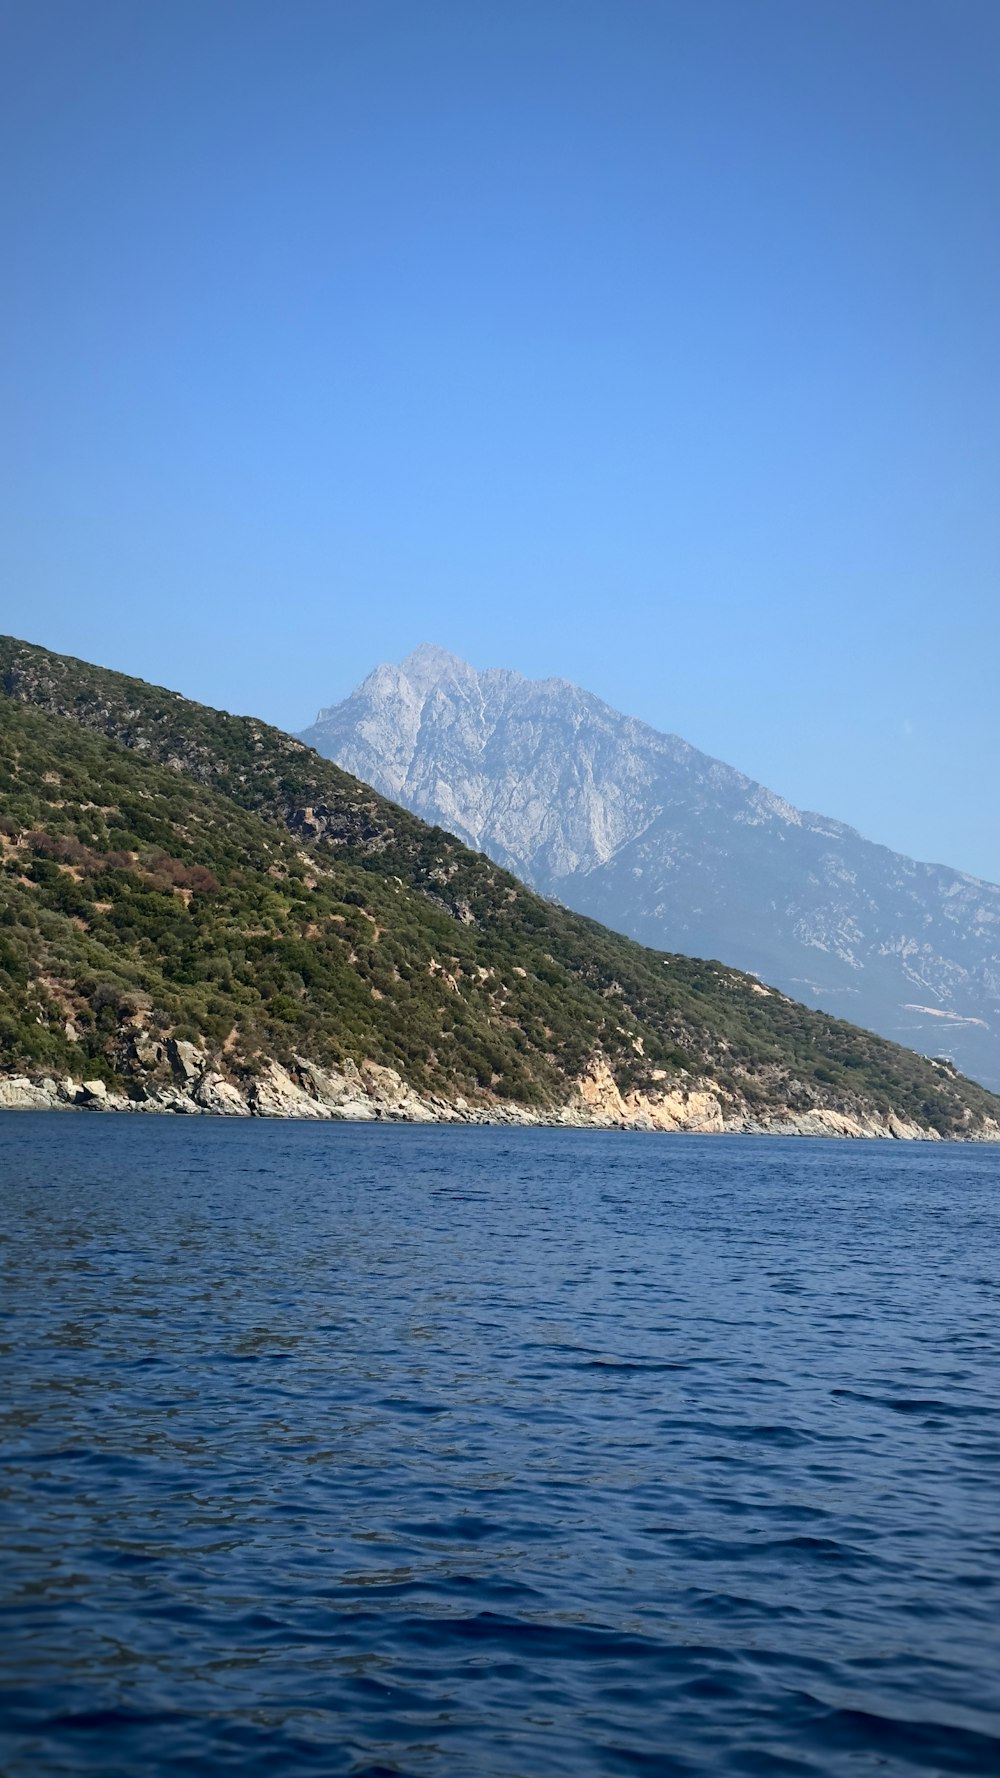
695, 1108
704, 1108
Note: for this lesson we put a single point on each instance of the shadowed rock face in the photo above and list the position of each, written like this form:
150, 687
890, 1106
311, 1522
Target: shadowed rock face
650, 836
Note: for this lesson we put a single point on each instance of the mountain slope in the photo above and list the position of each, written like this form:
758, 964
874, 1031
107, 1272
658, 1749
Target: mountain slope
642, 831
190, 899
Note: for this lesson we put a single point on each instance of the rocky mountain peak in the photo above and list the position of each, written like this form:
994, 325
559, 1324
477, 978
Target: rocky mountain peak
428, 666
643, 832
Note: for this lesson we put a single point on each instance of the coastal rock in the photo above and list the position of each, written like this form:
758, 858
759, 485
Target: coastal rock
188, 1061
391, 1095
342, 1093
359, 1094
696, 1108
169, 1098
275, 1094
17, 1093
599, 1094
373, 1091
216, 1094
304, 1090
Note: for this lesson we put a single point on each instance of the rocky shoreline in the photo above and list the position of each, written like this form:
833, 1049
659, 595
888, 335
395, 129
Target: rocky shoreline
185, 1081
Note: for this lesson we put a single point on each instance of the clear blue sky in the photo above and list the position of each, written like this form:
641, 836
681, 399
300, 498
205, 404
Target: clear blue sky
653, 343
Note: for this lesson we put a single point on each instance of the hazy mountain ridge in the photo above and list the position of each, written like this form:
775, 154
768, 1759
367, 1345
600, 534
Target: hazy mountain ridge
647, 834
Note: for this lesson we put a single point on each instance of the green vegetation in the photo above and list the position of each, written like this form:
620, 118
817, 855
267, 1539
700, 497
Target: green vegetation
170, 870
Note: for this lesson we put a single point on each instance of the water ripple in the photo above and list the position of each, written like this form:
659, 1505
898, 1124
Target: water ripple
369, 1451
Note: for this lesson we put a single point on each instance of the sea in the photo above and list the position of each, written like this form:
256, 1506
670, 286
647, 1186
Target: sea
347, 1449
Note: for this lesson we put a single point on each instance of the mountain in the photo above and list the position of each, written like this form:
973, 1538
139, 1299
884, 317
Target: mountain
639, 830
197, 912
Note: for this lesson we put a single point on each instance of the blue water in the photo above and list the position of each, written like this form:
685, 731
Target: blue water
335, 1449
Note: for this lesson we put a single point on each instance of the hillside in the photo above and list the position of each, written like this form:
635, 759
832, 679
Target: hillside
643, 832
196, 910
